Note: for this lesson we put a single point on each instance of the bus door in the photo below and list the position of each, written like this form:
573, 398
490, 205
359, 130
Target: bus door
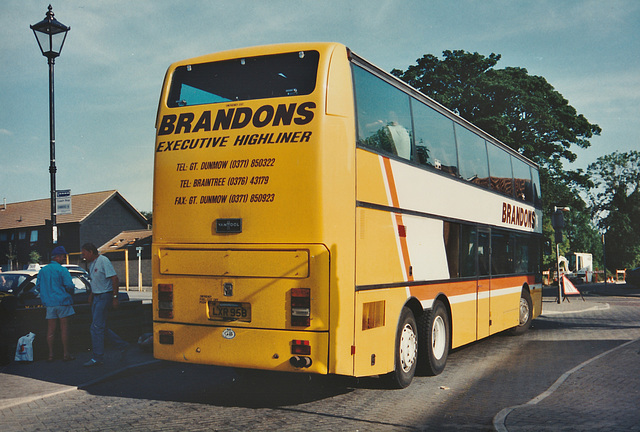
484, 282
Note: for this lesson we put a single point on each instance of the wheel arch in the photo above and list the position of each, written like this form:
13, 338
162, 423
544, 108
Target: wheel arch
445, 301
414, 305
534, 307
417, 309
525, 295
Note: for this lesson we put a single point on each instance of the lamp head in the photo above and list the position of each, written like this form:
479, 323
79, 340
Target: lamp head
50, 34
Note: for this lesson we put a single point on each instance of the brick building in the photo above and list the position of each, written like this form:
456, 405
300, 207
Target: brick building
96, 217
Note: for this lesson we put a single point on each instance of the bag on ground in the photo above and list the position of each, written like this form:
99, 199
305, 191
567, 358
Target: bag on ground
24, 350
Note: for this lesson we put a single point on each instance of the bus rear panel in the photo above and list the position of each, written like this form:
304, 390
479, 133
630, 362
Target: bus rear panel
242, 253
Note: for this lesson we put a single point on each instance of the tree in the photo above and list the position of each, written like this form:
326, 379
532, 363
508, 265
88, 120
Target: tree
615, 205
34, 257
11, 255
148, 216
580, 233
523, 111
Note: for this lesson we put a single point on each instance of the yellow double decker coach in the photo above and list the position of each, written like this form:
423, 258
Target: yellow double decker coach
313, 213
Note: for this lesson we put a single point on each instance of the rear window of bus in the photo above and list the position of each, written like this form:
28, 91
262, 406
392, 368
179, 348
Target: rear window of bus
261, 77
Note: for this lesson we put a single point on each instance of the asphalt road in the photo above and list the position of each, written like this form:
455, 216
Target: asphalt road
479, 381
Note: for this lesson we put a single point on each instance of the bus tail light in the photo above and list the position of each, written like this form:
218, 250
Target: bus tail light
300, 350
165, 337
300, 347
165, 300
301, 307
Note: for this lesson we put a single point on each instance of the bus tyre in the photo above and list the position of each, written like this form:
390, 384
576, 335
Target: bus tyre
525, 313
406, 352
434, 337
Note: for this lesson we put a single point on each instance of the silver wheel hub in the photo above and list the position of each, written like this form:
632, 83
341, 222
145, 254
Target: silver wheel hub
524, 311
408, 348
438, 338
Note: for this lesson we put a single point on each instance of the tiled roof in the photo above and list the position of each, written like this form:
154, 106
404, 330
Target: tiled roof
125, 238
34, 213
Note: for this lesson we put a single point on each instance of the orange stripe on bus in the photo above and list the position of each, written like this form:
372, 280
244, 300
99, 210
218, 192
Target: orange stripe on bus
391, 181
405, 249
429, 291
395, 203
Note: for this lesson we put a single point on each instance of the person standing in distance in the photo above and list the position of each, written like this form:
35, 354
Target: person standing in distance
104, 293
55, 287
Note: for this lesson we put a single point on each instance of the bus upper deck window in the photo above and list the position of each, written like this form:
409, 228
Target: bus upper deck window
247, 78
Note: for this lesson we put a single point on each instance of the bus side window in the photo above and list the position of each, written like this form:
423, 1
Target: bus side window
535, 180
435, 142
383, 115
472, 157
451, 234
502, 253
484, 258
468, 250
500, 170
522, 180
522, 254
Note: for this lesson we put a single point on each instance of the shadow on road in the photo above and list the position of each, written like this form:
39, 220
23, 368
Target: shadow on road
225, 387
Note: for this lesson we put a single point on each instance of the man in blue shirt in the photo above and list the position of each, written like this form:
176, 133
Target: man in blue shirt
55, 286
104, 292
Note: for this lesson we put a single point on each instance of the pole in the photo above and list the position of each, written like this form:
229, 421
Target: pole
52, 153
558, 270
604, 260
126, 267
139, 268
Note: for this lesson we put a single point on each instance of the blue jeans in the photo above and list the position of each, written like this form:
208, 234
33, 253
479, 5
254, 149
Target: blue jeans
99, 329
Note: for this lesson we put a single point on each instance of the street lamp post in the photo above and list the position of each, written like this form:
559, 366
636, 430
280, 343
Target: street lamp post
51, 34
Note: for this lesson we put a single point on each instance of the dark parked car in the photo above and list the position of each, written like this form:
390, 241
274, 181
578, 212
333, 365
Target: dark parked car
21, 284
72, 267
21, 312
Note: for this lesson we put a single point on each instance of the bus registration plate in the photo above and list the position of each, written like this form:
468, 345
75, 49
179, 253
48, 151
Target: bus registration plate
229, 311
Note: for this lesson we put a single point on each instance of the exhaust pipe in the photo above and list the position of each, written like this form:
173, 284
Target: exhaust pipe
300, 362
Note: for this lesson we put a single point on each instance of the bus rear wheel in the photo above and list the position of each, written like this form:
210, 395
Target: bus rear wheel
434, 336
406, 351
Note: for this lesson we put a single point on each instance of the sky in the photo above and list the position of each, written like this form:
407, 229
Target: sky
109, 75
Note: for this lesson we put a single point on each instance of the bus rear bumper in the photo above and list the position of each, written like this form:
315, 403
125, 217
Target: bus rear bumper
280, 350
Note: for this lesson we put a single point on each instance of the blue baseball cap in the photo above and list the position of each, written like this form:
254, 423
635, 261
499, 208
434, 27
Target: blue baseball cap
58, 250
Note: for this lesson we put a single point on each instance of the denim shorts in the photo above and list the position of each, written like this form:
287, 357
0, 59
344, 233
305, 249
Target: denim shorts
54, 312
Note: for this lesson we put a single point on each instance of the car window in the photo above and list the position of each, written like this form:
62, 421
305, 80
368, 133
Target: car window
28, 291
9, 282
80, 286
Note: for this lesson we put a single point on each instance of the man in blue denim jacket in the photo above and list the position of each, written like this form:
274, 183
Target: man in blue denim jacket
55, 286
